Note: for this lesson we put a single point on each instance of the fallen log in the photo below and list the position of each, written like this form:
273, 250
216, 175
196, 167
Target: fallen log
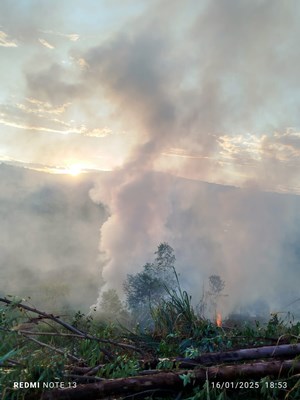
284, 350
172, 380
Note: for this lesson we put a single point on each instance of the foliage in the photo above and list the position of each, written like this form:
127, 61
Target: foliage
39, 349
122, 366
110, 302
175, 312
36, 363
186, 378
147, 288
111, 307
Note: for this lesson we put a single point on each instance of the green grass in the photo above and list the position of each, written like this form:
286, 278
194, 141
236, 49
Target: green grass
177, 331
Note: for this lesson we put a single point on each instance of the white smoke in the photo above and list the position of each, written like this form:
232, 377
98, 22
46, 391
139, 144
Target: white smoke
225, 73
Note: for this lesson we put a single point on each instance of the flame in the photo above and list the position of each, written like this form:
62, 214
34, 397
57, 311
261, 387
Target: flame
219, 320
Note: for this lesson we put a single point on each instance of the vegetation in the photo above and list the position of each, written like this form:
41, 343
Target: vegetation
179, 355
147, 288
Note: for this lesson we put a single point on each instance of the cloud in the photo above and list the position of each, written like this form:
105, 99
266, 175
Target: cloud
45, 135
45, 119
272, 161
98, 132
5, 41
25, 127
71, 36
182, 153
46, 44
35, 106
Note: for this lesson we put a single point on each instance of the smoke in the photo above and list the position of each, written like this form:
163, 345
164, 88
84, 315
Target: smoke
48, 239
226, 71
201, 90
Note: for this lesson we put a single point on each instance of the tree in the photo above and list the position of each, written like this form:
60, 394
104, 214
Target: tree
111, 306
165, 258
210, 298
216, 286
110, 302
147, 288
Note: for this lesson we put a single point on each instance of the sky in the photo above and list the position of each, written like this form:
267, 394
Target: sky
210, 88
155, 92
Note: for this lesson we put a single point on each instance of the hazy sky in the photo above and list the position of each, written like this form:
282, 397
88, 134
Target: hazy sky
205, 90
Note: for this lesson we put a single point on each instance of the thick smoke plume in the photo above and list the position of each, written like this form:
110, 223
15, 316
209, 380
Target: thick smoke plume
227, 72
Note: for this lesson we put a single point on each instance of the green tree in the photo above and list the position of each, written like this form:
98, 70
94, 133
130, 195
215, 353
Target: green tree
147, 288
111, 307
110, 302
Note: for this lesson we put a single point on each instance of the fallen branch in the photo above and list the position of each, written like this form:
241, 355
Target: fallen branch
55, 349
284, 350
88, 371
71, 328
87, 336
45, 315
172, 380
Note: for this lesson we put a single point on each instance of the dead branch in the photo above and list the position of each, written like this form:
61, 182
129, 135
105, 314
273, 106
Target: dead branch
172, 380
71, 328
284, 350
90, 337
55, 349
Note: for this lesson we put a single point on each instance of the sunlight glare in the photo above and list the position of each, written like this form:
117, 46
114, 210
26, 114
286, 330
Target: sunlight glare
74, 170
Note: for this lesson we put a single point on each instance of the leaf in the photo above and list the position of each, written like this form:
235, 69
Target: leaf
186, 378
8, 355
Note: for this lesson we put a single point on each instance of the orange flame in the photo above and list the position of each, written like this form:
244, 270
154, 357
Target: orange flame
219, 320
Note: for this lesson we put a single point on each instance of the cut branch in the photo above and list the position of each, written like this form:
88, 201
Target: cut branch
55, 349
172, 380
284, 350
86, 336
71, 328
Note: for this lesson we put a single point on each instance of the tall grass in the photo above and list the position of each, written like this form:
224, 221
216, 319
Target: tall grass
174, 313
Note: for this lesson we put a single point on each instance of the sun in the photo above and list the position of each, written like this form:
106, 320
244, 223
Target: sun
74, 170
70, 169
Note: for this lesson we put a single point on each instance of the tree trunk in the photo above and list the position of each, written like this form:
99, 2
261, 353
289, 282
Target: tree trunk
172, 381
285, 350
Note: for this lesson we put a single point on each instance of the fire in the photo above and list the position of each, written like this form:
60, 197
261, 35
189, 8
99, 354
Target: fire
219, 320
